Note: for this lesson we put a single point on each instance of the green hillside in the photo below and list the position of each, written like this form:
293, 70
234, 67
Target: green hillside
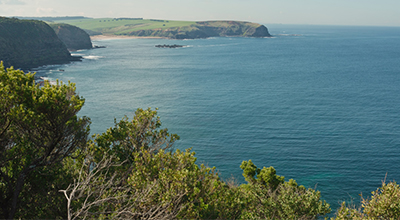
123, 26
73, 37
168, 28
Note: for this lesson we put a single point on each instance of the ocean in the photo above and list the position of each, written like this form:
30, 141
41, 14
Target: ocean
318, 103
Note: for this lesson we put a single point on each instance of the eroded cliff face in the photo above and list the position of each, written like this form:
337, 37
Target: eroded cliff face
208, 29
27, 44
73, 37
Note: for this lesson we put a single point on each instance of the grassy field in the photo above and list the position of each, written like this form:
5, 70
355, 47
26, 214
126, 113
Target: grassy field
226, 23
122, 26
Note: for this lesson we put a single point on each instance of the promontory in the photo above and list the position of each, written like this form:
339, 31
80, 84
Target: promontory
168, 28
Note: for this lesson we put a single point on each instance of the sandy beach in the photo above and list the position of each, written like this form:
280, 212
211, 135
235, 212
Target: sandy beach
108, 37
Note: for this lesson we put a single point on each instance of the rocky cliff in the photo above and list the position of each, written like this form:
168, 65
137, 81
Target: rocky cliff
27, 44
73, 37
208, 29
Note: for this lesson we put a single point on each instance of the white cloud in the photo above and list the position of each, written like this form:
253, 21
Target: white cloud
46, 11
12, 2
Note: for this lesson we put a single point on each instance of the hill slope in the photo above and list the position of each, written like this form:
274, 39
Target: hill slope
27, 44
169, 29
73, 37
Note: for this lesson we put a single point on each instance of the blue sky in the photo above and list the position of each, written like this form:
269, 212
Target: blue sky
326, 12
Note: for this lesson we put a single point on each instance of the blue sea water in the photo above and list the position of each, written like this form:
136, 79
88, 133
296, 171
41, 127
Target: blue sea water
318, 103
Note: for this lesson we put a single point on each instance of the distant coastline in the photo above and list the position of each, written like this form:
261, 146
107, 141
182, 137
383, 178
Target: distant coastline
113, 28
32, 43
169, 29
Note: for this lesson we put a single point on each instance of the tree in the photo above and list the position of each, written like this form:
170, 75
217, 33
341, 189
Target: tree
191, 191
268, 196
266, 177
39, 127
96, 189
142, 132
162, 185
155, 183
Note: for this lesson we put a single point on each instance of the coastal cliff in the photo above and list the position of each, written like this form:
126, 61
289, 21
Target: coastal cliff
207, 29
27, 44
73, 37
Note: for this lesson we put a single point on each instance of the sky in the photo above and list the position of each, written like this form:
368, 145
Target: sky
324, 12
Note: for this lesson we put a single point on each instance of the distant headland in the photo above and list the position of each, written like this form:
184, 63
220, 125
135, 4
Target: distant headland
139, 27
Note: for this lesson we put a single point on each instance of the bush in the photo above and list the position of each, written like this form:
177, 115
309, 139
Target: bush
383, 204
268, 196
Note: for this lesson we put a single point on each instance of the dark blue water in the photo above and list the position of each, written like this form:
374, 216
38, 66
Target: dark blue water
318, 103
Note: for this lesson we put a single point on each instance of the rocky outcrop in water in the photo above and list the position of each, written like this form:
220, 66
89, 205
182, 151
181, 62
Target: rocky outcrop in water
168, 46
73, 37
27, 44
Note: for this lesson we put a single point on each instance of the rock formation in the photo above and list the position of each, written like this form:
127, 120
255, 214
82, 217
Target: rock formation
168, 46
27, 44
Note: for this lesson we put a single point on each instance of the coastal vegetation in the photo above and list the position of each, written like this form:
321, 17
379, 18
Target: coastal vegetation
50, 169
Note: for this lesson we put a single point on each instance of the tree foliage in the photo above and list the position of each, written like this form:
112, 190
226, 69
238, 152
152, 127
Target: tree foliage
38, 129
384, 203
161, 184
95, 190
181, 186
268, 196
129, 136
266, 177
164, 185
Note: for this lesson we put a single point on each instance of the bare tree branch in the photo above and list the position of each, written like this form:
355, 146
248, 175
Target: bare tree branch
99, 193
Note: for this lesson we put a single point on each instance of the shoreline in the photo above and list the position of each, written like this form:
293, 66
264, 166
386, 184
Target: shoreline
110, 37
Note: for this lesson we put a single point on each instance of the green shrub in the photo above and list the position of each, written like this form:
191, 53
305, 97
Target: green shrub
383, 204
